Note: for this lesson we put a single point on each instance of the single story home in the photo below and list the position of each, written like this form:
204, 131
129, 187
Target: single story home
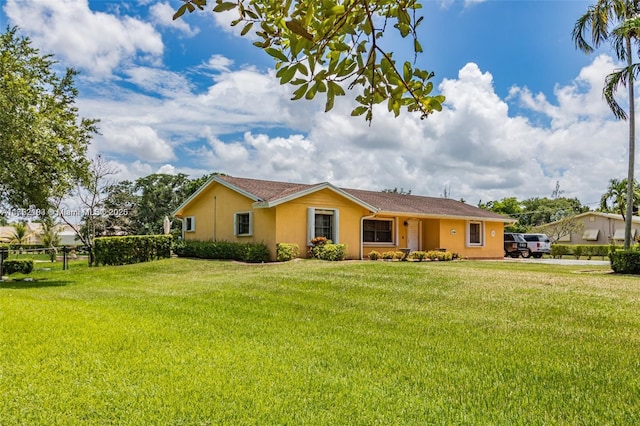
229, 208
598, 228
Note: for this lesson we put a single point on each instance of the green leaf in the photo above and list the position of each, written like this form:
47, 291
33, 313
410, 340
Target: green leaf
359, 111
246, 28
336, 88
417, 47
302, 69
300, 91
224, 6
276, 53
287, 74
181, 10
336, 10
407, 71
297, 28
330, 98
311, 93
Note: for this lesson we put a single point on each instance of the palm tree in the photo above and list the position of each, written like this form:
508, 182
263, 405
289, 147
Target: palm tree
615, 199
20, 233
612, 20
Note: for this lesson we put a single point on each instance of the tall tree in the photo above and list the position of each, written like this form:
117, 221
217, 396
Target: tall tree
159, 195
43, 140
319, 46
91, 195
612, 20
538, 211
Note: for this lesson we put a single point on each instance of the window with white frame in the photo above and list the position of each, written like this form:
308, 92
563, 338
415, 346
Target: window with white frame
243, 224
377, 231
189, 224
475, 233
323, 223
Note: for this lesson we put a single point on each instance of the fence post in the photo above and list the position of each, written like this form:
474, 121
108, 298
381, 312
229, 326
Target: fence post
4, 253
65, 262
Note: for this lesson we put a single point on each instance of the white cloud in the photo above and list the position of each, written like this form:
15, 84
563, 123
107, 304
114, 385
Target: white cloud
162, 14
94, 42
137, 140
167, 169
582, 100
218, 63
158, 81
476, 146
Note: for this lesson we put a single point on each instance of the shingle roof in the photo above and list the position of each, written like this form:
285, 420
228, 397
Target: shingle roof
266, 190
382, 201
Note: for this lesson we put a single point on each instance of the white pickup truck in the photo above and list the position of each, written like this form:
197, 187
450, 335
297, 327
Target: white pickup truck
538, 244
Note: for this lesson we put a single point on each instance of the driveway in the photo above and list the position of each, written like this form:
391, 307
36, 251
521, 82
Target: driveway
560, 261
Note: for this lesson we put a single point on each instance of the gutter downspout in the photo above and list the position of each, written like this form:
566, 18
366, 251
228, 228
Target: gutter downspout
215, 208
362, 219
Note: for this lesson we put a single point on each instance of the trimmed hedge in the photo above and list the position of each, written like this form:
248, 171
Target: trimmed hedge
287, 251
589, 250
329, 251
11, 266
625, 261
131, 249
222, 250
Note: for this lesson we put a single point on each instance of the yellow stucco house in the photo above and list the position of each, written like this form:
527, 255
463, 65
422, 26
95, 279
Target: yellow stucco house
229, 208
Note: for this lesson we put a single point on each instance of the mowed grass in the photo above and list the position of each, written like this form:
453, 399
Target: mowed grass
204, 342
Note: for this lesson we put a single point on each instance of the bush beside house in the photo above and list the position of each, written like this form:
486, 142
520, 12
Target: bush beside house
222, 250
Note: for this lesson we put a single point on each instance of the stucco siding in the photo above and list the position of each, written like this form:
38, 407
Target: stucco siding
291, 220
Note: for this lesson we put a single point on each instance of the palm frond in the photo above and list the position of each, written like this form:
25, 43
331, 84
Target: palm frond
611, 83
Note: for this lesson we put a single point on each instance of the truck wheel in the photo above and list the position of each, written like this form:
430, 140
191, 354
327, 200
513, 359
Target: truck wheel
526, 254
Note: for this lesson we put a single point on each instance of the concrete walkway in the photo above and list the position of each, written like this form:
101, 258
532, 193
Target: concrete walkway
560, 261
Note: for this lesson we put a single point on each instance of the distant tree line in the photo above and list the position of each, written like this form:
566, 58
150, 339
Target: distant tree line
534, 212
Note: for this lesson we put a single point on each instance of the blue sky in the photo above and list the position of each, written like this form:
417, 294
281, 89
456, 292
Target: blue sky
524, 108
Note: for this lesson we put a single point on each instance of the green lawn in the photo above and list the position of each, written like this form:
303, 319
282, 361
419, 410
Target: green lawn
204, 342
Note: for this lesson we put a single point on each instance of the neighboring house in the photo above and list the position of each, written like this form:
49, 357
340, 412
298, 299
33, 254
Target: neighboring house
7, 234
248, 210
599, 228
66, 234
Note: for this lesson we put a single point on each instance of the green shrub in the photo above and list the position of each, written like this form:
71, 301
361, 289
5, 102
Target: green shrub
601, 250
374, 255
578, 251
388, 255
625, 261
23, 266
223, 250
418, 255
329, 251
287, 251
445, 256
131, 249
432, 255
254, 253
559, 250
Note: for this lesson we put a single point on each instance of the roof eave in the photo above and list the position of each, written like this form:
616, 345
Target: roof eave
325, 185
445, 216
214, 178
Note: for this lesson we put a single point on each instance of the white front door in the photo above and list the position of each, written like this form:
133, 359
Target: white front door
413, 234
